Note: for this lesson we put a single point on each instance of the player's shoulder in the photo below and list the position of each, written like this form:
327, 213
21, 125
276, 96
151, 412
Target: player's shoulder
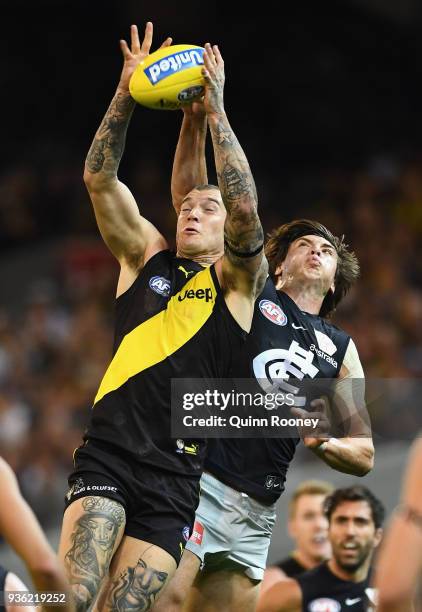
328, 328
318, 573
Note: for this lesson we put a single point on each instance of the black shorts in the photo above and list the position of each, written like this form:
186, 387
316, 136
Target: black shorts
160, 506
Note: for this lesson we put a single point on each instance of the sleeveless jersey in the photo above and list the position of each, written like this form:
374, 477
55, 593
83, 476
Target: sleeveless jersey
322, 590
290, 567
172, 322
3, 574
282, 338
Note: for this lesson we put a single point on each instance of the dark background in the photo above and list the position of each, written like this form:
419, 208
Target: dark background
310, 86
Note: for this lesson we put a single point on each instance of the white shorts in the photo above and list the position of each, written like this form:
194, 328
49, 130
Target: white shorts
232, 530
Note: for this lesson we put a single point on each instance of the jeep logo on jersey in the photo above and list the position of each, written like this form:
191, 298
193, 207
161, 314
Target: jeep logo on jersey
324, 604
273, 312
160, 285
200, 294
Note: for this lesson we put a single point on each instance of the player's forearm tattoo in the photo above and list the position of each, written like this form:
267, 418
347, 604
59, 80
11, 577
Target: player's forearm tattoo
93, 541
108, 145
136, 588
244, 232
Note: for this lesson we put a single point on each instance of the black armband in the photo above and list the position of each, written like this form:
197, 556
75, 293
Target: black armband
243, 254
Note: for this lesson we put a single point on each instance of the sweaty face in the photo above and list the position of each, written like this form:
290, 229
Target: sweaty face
312, 260
309, 527
352, 534
200, 225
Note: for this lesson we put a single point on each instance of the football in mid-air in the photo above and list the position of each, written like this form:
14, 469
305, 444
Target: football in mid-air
169, 77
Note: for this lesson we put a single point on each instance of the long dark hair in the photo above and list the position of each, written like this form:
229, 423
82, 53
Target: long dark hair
347, 270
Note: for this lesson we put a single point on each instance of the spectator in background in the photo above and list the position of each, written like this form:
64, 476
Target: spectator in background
355, 518
21, 530
308, 527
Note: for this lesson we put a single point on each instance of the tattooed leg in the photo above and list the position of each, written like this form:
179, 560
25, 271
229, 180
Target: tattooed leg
94, 538
136, 588
138, 574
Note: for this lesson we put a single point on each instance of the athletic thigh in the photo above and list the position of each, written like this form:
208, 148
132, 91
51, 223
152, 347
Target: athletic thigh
223, 591
138, 573
91, 533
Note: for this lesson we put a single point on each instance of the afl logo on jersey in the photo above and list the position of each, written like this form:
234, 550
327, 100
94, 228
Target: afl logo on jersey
160, 285
324, 604
273, 312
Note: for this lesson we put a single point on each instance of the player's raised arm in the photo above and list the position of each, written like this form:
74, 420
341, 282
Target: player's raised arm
129, 236
189, 165
22, 532
244, 235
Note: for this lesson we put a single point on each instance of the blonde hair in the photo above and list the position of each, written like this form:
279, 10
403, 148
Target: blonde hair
309, 487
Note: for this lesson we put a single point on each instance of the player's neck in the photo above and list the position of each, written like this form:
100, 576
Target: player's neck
306, 561
306, 297
204, 259
356, 576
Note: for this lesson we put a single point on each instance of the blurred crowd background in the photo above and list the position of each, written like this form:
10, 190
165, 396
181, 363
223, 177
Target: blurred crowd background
328, 111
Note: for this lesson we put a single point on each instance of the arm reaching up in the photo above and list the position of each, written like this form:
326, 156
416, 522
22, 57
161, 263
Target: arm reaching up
190, 166
243, 269
130, 237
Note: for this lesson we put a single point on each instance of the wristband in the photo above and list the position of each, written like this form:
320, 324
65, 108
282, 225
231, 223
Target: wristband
323, 447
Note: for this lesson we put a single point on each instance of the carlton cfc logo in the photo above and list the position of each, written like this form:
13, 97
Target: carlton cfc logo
272, 312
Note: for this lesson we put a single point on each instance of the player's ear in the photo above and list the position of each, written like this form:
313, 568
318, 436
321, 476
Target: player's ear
279, 269
378, 536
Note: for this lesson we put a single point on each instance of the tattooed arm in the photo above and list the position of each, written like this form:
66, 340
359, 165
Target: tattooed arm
21, 530
190, 166
129, 236
244, 267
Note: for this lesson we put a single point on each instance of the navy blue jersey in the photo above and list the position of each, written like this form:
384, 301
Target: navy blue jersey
322, 590
283, 341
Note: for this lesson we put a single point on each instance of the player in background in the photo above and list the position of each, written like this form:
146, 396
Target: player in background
21, 530
134, 489
308, 527
399, 565
355, 519
311, 271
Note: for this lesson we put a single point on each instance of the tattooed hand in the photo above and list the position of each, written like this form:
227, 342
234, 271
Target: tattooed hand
137, 53
213, 73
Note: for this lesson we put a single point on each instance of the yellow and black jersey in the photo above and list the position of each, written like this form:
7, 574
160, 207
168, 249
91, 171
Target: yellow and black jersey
171, 323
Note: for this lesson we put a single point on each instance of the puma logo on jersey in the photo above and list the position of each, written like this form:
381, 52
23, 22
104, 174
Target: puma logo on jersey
185, 272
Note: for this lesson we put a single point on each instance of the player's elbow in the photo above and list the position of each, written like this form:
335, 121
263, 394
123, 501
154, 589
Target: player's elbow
366, 461
97, 181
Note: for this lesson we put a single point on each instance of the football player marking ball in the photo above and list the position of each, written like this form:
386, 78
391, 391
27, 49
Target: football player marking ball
169, 77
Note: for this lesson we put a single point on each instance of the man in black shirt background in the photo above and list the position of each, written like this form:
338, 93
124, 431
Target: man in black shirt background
355, 517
